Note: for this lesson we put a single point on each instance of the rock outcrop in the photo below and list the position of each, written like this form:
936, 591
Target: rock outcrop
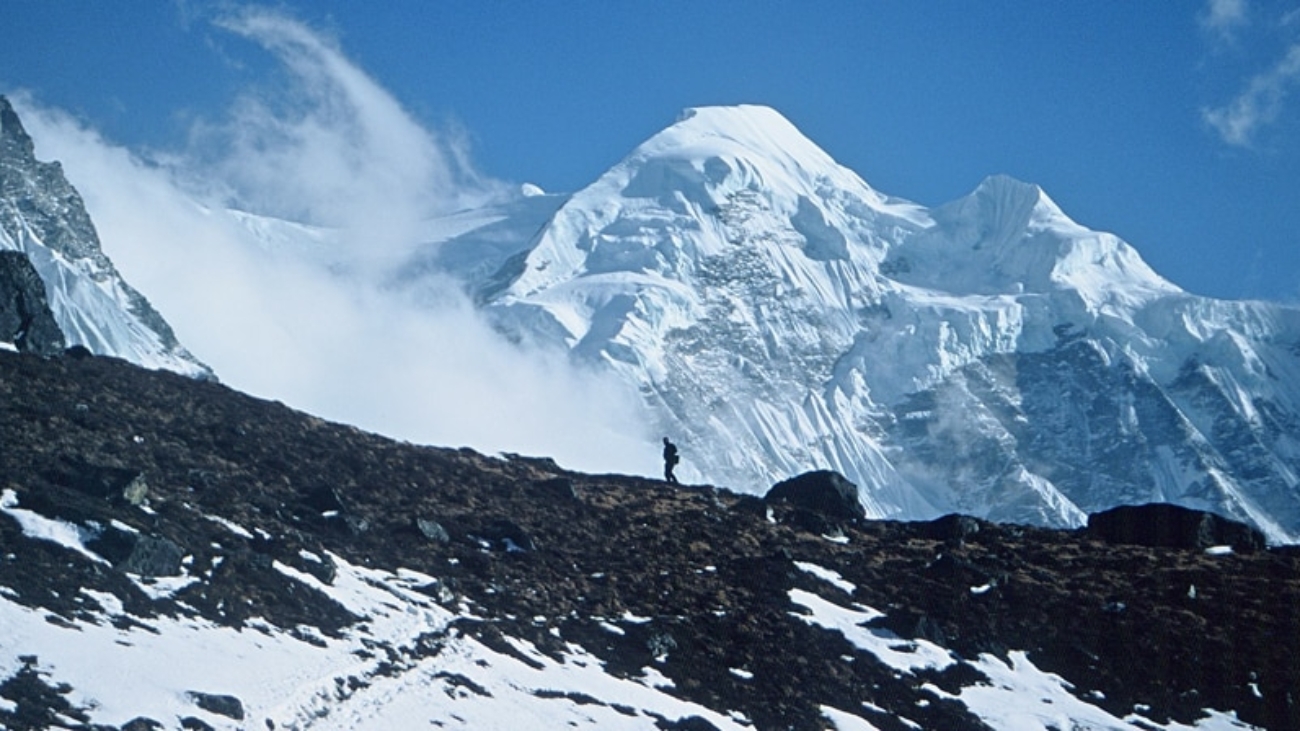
1163, 525
44, 219
25, 317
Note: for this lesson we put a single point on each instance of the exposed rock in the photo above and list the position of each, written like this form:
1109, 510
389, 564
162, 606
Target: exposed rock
1171, 526
136, 491
97, 480
42, 214
505, 535
223, 705
25, 316
432, 530
824, 492
558, 487
953, 528
136, 553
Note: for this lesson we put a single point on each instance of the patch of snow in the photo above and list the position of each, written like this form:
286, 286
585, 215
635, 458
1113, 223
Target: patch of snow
845, 721
831, 577
231, 526
39, 527
906, 655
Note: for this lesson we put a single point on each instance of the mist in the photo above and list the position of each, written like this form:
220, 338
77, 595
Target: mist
303, 312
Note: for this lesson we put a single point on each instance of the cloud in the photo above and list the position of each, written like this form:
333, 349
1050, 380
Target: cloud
331, 146
1223, 18
1259, 105
303, 313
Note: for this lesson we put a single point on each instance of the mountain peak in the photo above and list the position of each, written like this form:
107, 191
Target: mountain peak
44, 219
12, 134
757, 135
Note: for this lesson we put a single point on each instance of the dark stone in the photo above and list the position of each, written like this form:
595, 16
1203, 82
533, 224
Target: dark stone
1163, 525
190, 723
558, 487
824, 492
690, 723
324, 569
94, 480
324, 499
141, 724
25, 316
506, 535
153, 557
223, 705
952, 527
136, 553
432, 530
912, 624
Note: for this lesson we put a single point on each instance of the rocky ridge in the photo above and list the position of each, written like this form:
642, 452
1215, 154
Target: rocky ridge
43, 218
182, 501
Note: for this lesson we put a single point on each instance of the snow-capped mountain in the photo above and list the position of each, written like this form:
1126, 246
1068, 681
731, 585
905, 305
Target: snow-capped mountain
42, 217
989, 356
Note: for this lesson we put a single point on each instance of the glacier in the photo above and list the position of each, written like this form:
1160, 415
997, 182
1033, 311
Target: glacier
989, 356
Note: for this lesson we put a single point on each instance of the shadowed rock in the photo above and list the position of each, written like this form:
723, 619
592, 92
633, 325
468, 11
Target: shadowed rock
25, 316
1162, 525
824, 492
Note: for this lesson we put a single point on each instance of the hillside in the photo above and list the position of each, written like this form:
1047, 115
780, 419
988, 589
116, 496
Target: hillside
174, 554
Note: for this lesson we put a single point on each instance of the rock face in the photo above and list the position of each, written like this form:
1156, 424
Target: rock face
25, 317
354, 577
1171, 526
823, 492
44, 218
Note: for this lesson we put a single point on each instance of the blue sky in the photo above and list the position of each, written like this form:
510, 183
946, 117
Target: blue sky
1175, 125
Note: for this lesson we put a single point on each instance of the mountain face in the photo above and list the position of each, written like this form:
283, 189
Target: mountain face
989, 356
176, 555
42, 217
778, 315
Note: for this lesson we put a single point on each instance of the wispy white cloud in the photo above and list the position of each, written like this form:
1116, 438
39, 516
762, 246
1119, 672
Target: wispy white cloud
1224, 18
1259, 105
332, 148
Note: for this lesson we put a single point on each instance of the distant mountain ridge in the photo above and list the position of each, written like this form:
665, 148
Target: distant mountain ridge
777, 315
989, 356
43, 217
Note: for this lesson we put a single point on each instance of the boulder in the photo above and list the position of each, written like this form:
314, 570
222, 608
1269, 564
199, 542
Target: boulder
953, 528
101, 481
827, 493
506, 535
25, 316
224, 705
432, 530
1163, 525
137, 553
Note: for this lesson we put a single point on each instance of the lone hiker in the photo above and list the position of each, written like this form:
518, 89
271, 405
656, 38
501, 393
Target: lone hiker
670, 460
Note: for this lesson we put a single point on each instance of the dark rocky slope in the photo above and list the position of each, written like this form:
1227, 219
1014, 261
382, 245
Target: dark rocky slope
93, 440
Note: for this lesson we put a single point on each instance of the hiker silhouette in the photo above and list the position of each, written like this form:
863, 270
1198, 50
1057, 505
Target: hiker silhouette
670, 460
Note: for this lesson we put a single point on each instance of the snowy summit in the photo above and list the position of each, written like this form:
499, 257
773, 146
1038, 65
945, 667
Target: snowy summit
988, 356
